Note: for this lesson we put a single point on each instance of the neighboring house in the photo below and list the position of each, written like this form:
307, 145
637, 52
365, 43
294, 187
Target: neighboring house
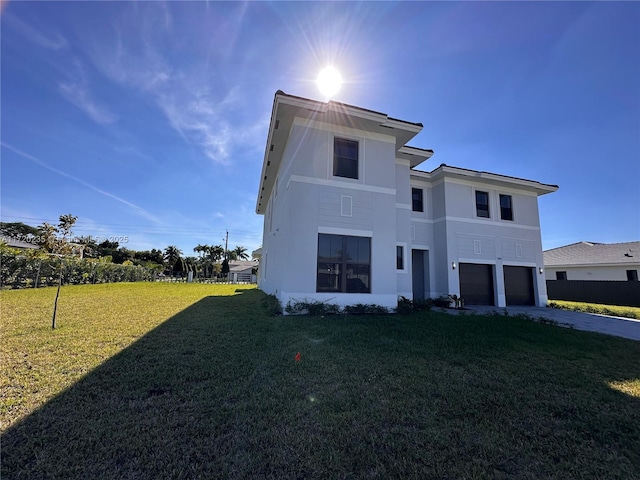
242, 270
593, 261
16, 243
348, 219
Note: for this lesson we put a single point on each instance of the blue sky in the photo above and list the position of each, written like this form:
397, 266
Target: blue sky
148, 120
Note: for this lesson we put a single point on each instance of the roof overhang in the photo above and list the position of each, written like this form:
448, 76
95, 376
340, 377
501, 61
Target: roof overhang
414, 155
288, 107
445, 171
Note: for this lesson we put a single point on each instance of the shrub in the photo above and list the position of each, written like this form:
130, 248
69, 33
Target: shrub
365, 309
442, 302
405, 306
20, 269
272, 305
312, 308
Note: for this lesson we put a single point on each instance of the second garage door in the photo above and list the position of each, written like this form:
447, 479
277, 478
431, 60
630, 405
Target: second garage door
518, 285
476, 284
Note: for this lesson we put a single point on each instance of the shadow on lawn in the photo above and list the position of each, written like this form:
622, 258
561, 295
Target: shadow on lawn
149, 410
214, 392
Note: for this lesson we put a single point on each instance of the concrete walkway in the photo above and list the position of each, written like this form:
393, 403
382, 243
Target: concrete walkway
618, 326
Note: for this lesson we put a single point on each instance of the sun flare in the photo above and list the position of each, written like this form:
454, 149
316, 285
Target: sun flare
329, 82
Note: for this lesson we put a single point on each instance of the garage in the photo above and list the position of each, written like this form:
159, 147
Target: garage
518, 285
476, 284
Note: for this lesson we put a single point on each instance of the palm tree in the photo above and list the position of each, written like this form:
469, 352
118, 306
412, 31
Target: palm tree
215, 253
240, 253
171, 255
200, 249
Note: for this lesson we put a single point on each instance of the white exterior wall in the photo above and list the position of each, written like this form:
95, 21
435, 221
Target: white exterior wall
595, 272
472, 239
310, 200
307, 200
403, 227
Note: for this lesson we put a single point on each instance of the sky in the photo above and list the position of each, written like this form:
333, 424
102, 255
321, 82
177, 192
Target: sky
148, 120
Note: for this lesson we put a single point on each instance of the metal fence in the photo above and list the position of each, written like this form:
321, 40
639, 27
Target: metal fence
595, 291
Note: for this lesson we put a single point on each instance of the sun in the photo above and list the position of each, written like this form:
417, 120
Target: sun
329, 82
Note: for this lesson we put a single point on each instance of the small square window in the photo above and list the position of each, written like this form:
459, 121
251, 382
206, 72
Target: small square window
482, 204
632, 275
417, 200
561, 275
345, 158
400, 257
506, 207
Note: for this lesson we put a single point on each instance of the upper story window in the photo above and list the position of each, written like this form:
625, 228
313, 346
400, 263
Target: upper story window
416, 200
506, 207
345, 158
482, 204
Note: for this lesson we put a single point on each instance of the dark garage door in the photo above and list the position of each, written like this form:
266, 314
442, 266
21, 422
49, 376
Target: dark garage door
518, 285
476, 284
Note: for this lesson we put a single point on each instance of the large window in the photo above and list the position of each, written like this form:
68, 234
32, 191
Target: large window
506, 207
416, 200
482, 204
345, 158
344, 264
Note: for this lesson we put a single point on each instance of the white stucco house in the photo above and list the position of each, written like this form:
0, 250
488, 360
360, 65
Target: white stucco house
348, 219
594, 261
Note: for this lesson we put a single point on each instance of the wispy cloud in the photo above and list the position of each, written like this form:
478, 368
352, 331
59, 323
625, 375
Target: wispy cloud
48, 40
192, 98
136, 208
76, 90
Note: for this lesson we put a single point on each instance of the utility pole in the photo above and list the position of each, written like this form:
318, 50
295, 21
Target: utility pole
225, 263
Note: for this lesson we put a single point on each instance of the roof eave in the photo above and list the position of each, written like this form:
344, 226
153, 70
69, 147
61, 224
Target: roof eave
540, 188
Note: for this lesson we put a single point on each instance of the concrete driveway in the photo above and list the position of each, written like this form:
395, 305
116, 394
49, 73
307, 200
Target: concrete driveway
618, 326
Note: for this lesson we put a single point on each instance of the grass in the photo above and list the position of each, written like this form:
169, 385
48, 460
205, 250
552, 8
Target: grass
616, 311
196, 381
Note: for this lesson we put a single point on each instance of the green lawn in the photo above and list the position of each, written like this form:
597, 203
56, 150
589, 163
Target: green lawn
616, 311
195, 381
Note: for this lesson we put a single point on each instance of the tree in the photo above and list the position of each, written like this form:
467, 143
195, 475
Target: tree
240, 253
215, 253
147, 256
122, 255
171, 255
60, 246
18, 230
89, 246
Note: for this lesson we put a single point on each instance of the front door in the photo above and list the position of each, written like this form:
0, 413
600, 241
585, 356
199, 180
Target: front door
417, 267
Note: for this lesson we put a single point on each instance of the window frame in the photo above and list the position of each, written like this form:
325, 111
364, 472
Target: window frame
336, 158
343, 264
503, 209
488, 204
400, 258
415, 190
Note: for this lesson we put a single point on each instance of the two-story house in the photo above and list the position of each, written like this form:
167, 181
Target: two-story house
348, 219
